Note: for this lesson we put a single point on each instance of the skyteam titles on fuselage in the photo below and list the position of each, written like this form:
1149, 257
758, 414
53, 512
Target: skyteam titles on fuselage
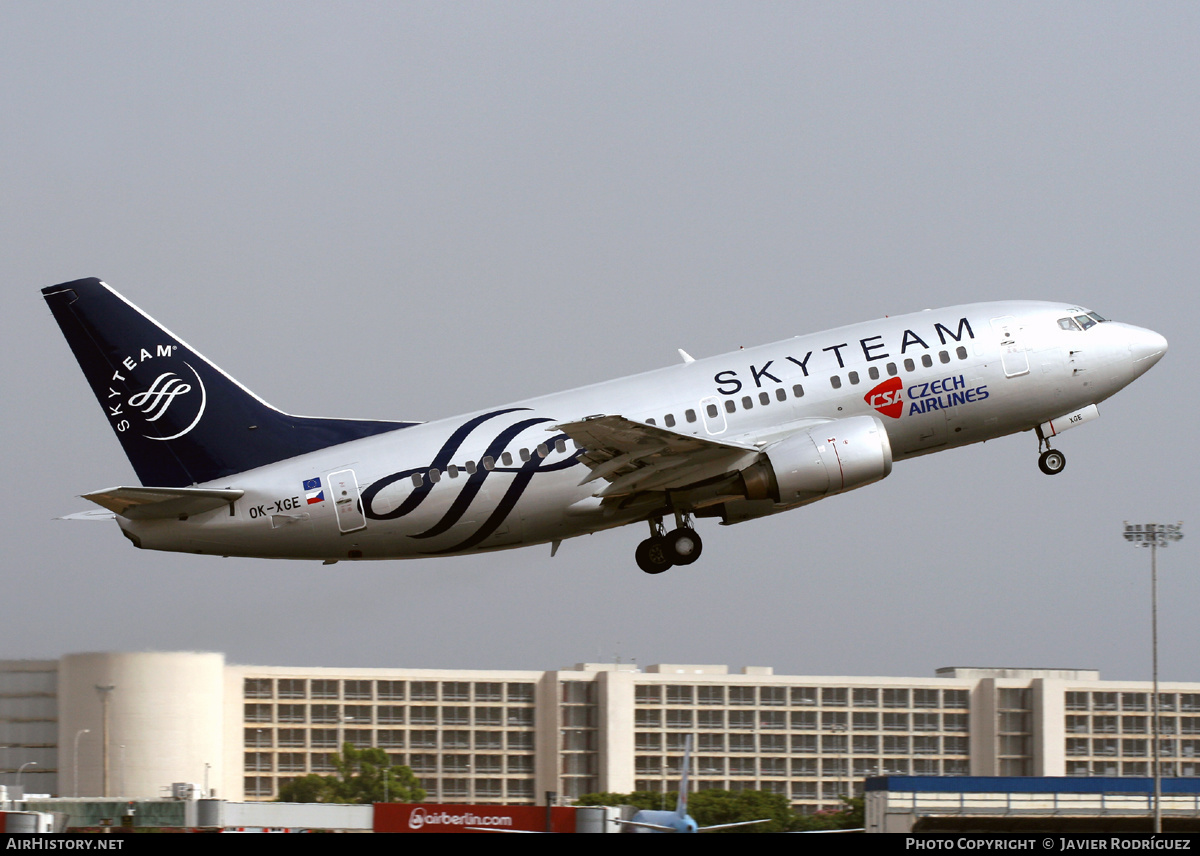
730, 382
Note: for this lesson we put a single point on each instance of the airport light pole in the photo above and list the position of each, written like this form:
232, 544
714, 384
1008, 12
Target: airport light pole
1154, 535
844, 730
105, 691
75, 759
342, 720
22, 770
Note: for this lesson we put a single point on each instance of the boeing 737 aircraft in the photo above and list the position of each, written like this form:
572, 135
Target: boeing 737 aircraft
734, 437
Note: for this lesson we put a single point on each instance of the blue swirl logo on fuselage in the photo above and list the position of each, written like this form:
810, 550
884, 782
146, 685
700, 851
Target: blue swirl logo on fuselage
523, 475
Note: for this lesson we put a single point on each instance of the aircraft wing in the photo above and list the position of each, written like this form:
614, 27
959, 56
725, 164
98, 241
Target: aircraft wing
634, 457
657, 827
161, 503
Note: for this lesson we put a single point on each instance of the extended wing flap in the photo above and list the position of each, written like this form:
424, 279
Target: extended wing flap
635, 457
161, 503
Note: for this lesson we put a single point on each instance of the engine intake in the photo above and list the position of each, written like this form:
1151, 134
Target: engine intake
829, 458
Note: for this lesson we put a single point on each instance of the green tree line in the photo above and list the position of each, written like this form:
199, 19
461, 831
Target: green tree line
363, 776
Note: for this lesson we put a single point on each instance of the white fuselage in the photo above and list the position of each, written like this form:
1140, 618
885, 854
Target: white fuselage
935, 379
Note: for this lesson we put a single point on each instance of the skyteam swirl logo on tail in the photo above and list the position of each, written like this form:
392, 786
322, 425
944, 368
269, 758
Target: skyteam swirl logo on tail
154, 402
165, 400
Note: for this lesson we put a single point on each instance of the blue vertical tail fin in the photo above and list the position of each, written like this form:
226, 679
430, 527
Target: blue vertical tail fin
180, 419
681, 802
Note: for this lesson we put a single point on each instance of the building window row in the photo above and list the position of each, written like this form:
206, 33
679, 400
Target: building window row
480, 790
799, 720
327, 738
1107, 767
382, 690
420, 763
516, 717
1132, 724
889, 744
777, 696
1132, 747
1102, 701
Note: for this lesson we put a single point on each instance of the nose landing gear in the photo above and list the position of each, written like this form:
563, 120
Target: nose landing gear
1052, 462
680, 546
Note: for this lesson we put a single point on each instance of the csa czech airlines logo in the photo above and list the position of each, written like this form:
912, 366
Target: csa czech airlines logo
887, 398
172, 397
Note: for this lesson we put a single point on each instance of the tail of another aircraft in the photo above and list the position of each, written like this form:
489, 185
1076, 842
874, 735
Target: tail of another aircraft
681, 800
180, 419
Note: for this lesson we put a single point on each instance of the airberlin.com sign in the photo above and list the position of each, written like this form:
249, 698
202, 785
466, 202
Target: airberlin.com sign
425, 817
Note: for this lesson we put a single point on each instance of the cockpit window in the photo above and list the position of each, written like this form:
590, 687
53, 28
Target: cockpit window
1081, 322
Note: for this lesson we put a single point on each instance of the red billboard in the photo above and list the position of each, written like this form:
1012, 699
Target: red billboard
435, 817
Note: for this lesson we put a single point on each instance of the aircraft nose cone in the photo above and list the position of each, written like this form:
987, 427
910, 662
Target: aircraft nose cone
1147, 347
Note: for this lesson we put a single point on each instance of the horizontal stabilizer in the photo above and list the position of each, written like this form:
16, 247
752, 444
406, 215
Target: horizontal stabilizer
161, 503
93, 514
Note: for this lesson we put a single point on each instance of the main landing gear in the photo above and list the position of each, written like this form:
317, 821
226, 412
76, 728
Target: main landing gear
680, 546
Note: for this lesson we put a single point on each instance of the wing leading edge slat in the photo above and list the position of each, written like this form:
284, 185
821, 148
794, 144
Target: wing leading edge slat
634, 457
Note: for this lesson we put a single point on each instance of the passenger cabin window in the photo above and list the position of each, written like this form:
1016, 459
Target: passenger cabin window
470, 468
560, 445
416, 479
961, 352
651, 421
892, 370
835, 382
798, 391
452, 471
543, 450
747, 402
489, 463
926, 360
730, 406
524, 454
763, 398
691, 415
853, 377
943, 356
711, 410
506, 459
873, 372
669, 420
909, 365
781, 394
435, 475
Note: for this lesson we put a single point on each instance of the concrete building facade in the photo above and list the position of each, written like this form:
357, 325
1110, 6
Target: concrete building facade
488, 736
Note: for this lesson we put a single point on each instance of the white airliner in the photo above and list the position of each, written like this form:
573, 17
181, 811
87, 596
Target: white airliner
735, 437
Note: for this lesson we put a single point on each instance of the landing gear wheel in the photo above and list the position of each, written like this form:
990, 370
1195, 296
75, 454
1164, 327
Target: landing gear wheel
1052, 462
653, 555
684, 545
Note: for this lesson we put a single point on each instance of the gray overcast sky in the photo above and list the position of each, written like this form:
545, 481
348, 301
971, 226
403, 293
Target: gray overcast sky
502, 200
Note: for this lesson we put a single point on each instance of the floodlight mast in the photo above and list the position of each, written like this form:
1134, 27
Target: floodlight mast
1154, 535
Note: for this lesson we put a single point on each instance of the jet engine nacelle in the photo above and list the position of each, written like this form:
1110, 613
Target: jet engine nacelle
829, 458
